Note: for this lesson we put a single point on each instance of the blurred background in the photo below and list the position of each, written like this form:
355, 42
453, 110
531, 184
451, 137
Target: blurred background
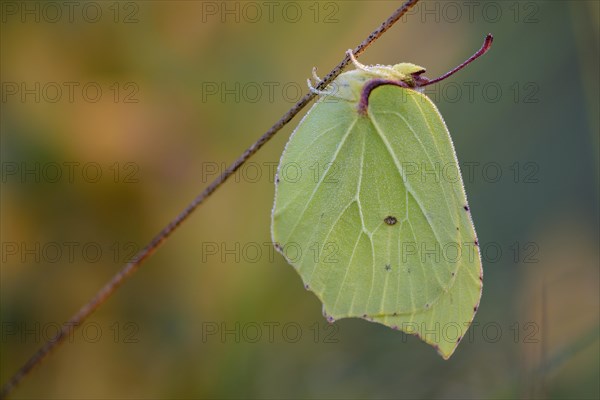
116, 114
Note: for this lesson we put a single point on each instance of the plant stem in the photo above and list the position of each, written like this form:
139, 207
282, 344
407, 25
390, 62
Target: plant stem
107, 290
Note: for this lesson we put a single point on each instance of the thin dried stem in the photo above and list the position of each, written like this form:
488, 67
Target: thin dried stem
117, 280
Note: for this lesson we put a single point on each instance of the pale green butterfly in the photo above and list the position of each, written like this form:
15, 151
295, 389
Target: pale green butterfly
365, 216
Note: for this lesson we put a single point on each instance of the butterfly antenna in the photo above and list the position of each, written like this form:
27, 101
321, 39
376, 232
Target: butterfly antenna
487, 44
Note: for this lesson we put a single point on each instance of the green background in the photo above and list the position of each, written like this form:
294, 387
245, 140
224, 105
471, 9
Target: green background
216, 313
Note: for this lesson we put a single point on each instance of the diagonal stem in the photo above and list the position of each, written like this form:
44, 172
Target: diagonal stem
107, 290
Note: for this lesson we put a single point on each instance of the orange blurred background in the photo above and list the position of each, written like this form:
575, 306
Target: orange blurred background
116, 114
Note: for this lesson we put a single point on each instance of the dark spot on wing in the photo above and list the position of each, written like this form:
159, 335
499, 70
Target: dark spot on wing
453, 273
475, 308
329, 318
277, 246
476, 243
390, 220
459, 339
466, 208
388, 267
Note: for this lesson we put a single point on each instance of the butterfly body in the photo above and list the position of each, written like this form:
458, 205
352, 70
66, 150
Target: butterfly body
370, 208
